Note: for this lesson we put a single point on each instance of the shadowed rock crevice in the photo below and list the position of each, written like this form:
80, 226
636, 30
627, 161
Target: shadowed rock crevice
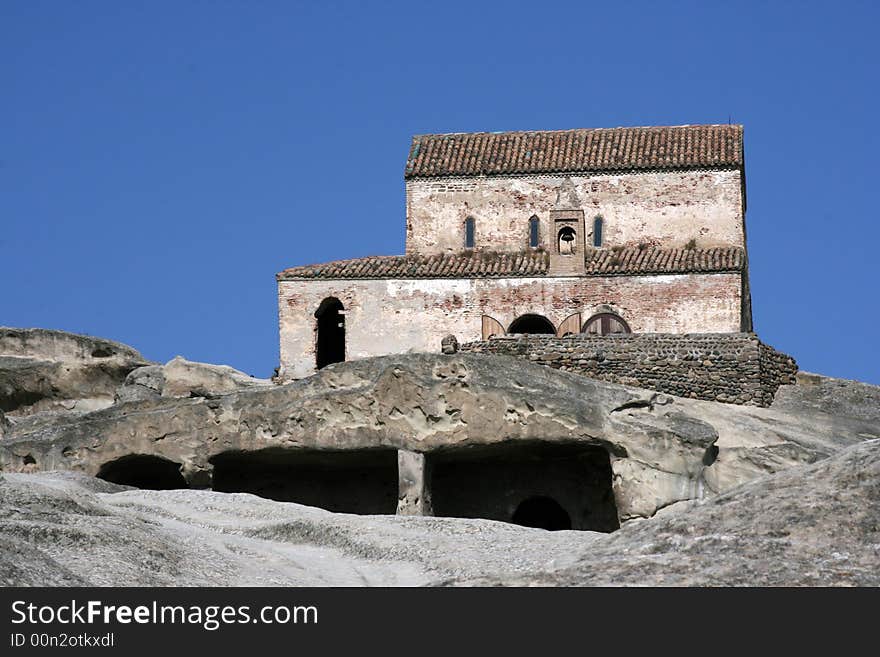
143, 471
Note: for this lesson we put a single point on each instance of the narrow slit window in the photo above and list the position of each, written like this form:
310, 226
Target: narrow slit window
533, 232
469, 232
597, 231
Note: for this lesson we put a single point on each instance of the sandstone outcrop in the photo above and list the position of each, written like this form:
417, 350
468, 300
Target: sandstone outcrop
183, 378
414, 402
454, 435
43, 370
662, 449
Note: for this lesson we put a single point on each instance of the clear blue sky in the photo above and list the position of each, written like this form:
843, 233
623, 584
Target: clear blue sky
161, 161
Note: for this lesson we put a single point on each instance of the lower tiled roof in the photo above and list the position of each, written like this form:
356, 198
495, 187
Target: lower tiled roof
655, 260
475, 264
484, 264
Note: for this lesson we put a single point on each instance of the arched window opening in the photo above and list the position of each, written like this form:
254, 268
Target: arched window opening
597, 231
469, 232
532, 324
606, 324
543, 513
330, 345
533, 232
143, 471
566, 240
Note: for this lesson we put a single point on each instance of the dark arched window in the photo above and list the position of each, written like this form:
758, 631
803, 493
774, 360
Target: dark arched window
330, 341
469, 229
533, 232
532, 324
606, 324
597, 231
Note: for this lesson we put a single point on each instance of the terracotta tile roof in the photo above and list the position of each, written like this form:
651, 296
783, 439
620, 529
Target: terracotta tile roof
482, 264
654, 260
597, 149
476, 264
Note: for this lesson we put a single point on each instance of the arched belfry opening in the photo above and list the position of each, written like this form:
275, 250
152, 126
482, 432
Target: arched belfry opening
330, 341
566, 241
143, 471
532, 324
541, 512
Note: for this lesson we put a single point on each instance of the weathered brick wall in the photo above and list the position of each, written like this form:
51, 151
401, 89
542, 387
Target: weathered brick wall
384, 316
734, 368
667, 208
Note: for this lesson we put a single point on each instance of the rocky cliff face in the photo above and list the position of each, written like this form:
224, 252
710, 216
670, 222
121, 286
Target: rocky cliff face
460, 435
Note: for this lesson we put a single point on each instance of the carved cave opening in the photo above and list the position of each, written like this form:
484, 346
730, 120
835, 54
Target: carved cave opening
143, 471
330, 342
532, 324
362, 481
541, 512
537, 484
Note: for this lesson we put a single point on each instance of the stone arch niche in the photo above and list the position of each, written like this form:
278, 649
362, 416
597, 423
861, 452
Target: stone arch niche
330, 339
533, 483
143, 471
606, 323
532, 323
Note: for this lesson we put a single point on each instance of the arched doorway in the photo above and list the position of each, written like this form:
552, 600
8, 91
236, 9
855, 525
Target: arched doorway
143, 471
330, 342
606, 324
532, 324
541, 512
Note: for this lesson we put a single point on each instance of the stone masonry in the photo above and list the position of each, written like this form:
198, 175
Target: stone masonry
735, 368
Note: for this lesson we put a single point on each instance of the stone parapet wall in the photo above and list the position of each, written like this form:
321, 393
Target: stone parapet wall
734, 368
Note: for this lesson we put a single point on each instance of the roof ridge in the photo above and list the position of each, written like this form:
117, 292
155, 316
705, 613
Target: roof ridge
563, 130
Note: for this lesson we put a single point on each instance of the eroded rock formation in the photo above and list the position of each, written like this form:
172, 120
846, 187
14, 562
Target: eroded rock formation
43, 370
463, 435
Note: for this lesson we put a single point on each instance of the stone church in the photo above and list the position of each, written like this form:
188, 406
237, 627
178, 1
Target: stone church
591, 231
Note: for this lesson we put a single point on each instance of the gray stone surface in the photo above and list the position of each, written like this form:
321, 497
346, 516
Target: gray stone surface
184, 378
816, 525
811, 525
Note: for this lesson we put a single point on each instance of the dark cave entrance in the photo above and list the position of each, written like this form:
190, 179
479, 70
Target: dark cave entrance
532, 324
541, 512
360, 481
536, 484
330, 341
143, 471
